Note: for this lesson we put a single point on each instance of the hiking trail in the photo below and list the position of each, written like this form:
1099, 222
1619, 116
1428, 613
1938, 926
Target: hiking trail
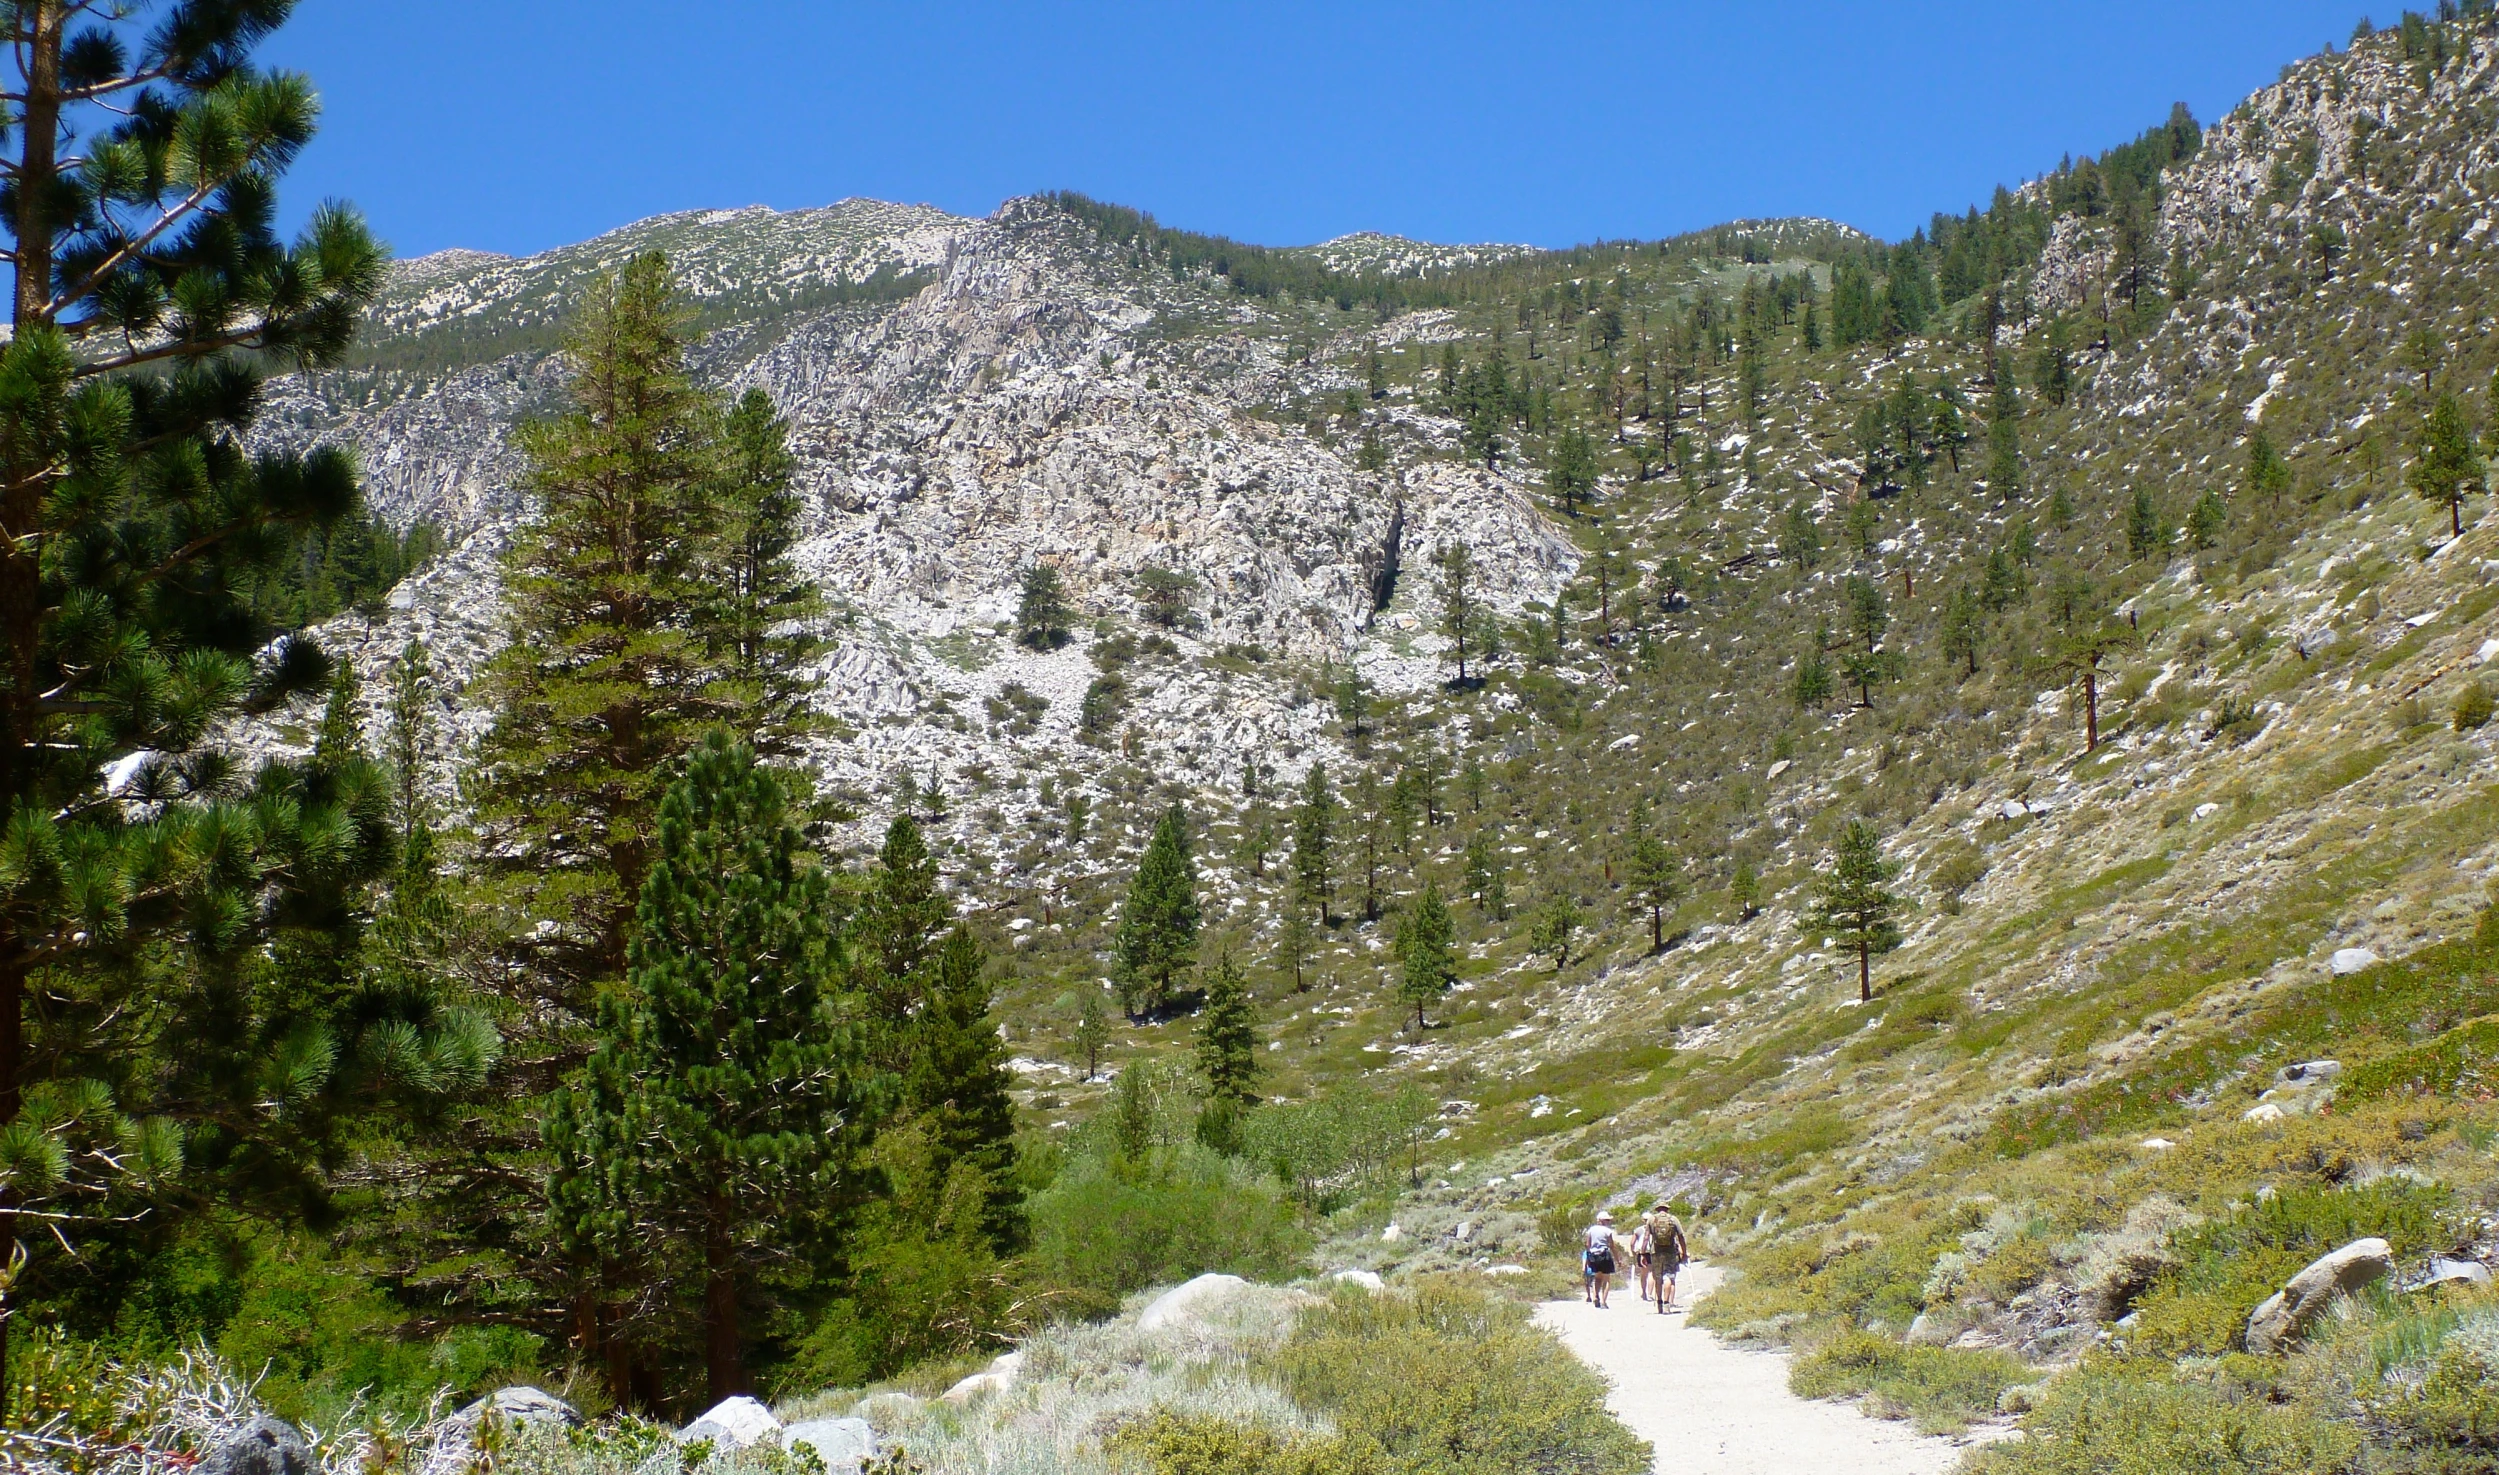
1710, 1408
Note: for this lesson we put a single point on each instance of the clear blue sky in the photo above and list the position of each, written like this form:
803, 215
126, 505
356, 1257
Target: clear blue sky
515, 125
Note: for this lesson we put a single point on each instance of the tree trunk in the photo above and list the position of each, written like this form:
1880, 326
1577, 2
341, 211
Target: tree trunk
1657, 929
724, 1359
1865, 975
2091, 711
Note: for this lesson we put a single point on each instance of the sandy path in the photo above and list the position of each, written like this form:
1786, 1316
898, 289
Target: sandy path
1713, 1409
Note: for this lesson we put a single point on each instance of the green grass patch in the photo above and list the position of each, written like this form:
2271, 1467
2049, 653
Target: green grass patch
1941, 1388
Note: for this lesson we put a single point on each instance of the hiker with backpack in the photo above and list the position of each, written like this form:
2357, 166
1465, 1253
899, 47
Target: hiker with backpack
1598, 1258
1670, 1251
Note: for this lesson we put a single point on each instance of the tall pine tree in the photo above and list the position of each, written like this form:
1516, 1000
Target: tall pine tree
1158, 926
712, 1133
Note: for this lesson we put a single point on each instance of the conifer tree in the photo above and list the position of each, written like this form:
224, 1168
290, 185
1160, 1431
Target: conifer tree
1425, 942
2146, 533
896, 929
1571, 471
1093, 1029
1314, 843
2004, 458
1041, 613
151, 296
1851, 904
2268, 475
1965, 628
2079, 659
2446, 469
1461, 612
408, 737
608, 679
1556, 928
765, 610
955, 1084
1652, 874
1744, 889
1869, 612
1158, 925
1227, 1036
1811, 686
712, 1130
2206, 520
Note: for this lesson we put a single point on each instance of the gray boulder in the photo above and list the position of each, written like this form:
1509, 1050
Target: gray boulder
843, 1444
265, 1446
733, 1423
2288, 1312
518, 1404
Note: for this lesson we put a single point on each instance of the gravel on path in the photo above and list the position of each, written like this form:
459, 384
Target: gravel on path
1714, 1409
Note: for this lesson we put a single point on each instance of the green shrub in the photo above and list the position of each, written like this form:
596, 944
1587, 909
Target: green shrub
2474, 707
1450, 1381
1170, 1443
2225, 1268
2462, 1059
1107, 1226
2101, 1422
1942, 1388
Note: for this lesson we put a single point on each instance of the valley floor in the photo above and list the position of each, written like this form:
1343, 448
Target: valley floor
1710, 1408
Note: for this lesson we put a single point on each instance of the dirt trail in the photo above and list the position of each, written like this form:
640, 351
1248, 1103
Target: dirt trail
1713, 1409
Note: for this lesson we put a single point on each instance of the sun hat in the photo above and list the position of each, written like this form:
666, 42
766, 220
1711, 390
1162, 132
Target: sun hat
1605, 1216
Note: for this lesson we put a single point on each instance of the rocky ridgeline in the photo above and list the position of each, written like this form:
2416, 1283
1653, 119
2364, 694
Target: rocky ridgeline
1044, 399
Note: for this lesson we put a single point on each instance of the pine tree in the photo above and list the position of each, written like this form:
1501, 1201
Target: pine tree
2004, 458
152, 296
896, 931
1965, 628
955, 1083
1852, 906
1041, 614
1158, 926
2446, 469
1093, 1029
2146, 533
1227, 1036
1652, 874
2268, 475
1869, 612
1557, 927
1352, 696
1460, 610
765, 610
1425, 943
1812, 684
1571, 472
1314, 842
2079, 659
608, 679
2207, 519
712, 1131
408, 739
1744, 889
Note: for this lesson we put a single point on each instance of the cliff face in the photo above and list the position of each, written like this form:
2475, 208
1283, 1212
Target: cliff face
1028, 395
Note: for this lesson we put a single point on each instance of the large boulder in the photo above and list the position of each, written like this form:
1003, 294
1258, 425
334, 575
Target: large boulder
265, 1446
997, 1378
733, 1423
2288, 1312
516, 1405
843, 1444
1188, 1302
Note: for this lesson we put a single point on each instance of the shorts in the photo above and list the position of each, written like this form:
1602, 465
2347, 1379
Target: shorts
1601, 1264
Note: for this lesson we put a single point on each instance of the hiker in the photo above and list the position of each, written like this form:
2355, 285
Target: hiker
1674, 1251
1599, 1258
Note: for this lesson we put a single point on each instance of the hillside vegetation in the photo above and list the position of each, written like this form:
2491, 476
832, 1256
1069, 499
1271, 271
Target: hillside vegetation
1276, 760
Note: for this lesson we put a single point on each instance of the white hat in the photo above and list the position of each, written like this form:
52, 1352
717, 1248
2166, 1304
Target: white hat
1605, 1216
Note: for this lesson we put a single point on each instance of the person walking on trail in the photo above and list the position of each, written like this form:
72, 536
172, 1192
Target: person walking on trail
1600, 1258
1673, 1252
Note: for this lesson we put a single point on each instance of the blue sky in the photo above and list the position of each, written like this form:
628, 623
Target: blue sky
516, 125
